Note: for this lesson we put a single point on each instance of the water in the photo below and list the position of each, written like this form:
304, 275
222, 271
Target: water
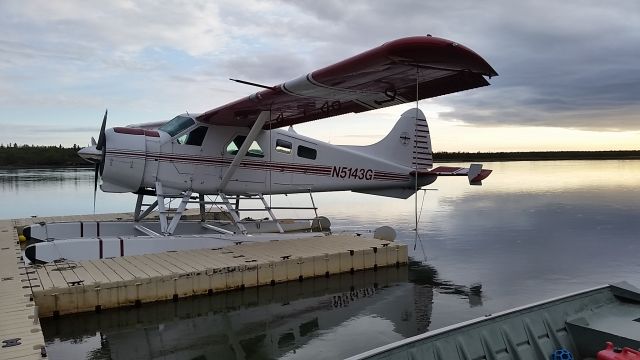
534, 230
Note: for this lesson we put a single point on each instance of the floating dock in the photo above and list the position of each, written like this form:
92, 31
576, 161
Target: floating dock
20, 332
71, 287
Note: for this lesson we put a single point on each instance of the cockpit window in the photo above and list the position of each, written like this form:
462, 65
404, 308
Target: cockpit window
254, 150
177, 125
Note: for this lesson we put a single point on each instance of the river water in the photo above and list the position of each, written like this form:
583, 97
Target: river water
534, 230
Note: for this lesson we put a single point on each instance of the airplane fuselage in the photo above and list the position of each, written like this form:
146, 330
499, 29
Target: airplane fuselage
196, 157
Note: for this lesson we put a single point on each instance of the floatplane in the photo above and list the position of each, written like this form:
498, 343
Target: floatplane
242, 150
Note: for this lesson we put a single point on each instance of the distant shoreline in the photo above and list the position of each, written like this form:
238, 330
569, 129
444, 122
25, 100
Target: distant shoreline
26, 167
536, 156
51, 157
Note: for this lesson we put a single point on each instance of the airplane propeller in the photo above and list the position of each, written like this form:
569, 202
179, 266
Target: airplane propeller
101, 138
95, 153
100, 146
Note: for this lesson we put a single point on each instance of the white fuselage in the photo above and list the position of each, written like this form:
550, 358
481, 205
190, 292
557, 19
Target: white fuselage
279, 161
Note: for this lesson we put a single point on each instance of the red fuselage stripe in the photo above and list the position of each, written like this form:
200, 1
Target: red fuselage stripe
319, 170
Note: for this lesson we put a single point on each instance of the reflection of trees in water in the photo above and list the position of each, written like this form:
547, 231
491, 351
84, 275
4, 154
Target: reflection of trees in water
12, 179
426, 279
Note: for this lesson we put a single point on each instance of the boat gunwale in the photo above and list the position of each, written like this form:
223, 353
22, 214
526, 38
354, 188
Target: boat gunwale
417, 338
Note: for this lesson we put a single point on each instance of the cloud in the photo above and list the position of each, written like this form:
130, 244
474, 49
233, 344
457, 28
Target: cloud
568, 64
563, 64
120, 25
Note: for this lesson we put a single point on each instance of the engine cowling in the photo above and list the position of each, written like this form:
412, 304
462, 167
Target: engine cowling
124, 159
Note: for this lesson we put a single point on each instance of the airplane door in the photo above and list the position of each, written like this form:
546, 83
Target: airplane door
152, 145
179, 159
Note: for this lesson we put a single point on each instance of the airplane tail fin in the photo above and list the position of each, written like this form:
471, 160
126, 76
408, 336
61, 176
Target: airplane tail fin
408, 143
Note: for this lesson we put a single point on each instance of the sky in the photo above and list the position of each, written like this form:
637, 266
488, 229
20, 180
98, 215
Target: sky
568, 79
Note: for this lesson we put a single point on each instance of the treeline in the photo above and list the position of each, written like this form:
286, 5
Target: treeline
14, 155
535, 155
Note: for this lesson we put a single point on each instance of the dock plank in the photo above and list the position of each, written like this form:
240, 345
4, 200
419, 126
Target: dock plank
150, 265
106, 270
44, 278
159, 261
94, 272
68, 273
56, 277
203, 259
208, 258
186, 259
180, 265
123, 273
144, 269
131, 268
83, 275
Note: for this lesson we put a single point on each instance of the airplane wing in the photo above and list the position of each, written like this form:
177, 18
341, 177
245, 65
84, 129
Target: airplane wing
383, 76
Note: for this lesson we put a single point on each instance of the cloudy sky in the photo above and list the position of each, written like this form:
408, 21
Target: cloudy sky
569, 70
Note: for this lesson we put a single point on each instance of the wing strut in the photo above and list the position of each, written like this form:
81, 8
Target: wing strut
253, 134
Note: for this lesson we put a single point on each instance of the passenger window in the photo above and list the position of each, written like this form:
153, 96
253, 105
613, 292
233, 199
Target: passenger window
307, 152
196, 137
283, 146
254, 150
182, 139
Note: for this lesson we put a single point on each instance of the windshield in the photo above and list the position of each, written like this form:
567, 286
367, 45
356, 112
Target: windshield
176, 125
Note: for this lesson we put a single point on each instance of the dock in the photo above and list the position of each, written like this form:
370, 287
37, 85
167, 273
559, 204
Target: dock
30, 293
20, 332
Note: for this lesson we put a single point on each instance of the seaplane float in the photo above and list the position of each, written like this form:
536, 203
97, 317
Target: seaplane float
242, 151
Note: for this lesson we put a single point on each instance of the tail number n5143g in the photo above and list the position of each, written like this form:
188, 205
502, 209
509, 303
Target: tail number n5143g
345, 172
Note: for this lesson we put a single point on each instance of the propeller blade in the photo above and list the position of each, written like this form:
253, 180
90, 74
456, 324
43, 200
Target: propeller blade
95, 185
101, 137
104, 150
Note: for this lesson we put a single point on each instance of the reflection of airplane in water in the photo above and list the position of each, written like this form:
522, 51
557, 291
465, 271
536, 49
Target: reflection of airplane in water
426, 280
267, 322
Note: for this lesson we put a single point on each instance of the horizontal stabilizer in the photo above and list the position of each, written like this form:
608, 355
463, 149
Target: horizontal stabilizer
474, 173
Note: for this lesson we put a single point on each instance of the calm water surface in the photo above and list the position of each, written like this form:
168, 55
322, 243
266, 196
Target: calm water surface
534, 230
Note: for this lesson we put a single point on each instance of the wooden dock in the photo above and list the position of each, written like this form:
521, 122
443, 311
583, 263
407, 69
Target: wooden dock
72, 287
20, 332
